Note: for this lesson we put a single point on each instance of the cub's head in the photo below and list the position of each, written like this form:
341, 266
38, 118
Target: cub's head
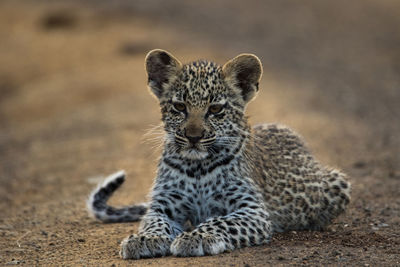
202, 104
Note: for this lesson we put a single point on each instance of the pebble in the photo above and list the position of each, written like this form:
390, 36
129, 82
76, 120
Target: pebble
383, 225
336, 253
359, 164
14, 262
378, 226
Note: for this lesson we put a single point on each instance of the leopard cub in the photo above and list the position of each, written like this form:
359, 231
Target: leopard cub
234, 184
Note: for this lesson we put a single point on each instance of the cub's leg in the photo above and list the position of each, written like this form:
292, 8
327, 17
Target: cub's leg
246, 224
336, 196
157, 230
243, 228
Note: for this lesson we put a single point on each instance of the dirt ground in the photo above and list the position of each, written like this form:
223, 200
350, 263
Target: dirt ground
74, 107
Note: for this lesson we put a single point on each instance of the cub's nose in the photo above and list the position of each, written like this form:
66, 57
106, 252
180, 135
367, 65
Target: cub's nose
194, 138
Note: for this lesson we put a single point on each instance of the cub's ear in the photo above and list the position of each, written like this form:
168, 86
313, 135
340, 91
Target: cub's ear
162, 69
243, 74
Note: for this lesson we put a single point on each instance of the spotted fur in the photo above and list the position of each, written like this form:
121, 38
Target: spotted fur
234, 184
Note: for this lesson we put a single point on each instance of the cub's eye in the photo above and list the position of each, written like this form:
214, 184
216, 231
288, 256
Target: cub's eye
179, 106
215, 109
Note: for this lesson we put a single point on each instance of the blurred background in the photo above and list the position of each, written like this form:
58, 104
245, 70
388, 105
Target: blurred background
74, 107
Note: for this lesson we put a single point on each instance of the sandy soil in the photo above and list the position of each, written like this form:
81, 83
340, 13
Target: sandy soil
74, 107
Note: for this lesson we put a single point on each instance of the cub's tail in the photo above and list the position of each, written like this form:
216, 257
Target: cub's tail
97, 202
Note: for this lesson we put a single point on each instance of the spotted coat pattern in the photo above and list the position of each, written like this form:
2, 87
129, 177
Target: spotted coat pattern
230, 186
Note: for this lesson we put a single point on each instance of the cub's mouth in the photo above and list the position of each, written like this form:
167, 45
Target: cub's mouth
195, 148
194, 153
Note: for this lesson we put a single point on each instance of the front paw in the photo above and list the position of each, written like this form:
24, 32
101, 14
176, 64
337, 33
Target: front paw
136, 247
195, 244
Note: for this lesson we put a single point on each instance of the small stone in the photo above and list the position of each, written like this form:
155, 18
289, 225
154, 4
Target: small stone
59, 20
133, 48
280, 258
394, 174
336, 253
14, 262
359, 164
81, 240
